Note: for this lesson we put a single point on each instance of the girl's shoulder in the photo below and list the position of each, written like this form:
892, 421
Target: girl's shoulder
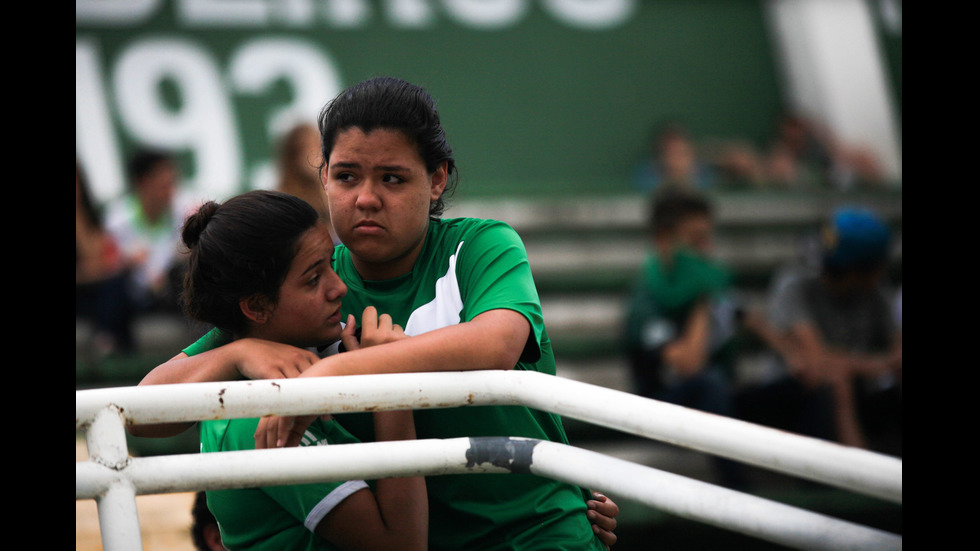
459, 229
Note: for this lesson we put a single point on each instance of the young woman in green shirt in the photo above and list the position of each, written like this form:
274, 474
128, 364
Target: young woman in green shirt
294, 300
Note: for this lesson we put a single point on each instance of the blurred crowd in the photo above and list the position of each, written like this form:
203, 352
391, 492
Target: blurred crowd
128, 258
801, 154
829, 331
829, 328
127, 262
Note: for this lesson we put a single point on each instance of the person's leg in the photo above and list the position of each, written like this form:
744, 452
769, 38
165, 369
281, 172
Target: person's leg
710, 391
113, 313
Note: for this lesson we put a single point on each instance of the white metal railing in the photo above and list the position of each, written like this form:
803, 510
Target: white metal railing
113, 478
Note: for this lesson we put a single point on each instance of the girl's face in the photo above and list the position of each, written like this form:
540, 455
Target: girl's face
308, 311
379, 193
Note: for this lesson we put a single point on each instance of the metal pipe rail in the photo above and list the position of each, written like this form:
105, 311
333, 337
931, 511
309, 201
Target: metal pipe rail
113, 478
849, 468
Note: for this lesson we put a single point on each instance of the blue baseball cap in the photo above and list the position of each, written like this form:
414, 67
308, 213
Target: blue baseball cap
855, 238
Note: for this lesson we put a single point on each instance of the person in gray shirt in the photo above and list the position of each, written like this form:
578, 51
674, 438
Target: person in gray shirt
836, 335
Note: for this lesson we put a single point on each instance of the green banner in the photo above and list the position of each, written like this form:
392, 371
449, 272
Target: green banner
538, 96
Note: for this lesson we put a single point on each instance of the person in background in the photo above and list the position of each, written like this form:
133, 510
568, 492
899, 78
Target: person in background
146, 222
101, 295
681, 324
298, 155
806, 155
672, 161
835, 331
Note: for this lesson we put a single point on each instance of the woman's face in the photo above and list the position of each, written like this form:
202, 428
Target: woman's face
308, 311
379, 193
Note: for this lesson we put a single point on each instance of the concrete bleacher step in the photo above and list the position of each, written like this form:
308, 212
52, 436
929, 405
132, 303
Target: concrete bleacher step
159, 337
620, 257
628, 211
584, 243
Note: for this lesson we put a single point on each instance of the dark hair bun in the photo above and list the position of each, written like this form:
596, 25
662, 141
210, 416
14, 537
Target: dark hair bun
197, 222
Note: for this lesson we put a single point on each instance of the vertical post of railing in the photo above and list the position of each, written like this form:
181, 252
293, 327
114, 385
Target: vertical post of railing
118, 517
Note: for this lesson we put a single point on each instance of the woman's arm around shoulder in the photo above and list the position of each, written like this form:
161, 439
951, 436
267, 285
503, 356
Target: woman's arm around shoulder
244, 358
492, 340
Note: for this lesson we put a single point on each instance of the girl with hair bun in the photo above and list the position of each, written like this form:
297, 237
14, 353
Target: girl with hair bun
260, 272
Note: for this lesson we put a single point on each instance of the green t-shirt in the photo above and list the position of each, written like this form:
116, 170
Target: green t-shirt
467, 267
274, 518
660, 303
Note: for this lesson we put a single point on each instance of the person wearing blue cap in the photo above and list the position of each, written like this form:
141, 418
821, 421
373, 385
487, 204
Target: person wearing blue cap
836, 335
856, 242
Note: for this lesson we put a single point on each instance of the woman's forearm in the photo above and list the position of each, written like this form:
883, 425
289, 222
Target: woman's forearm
402, 502
252, 358
492, 340
243, 358
213, 365
209, 366
395, 517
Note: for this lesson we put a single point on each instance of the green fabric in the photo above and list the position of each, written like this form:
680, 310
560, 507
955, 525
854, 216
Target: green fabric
273, 518
684, 280
211, 340
670, 290
479, 511
162, 226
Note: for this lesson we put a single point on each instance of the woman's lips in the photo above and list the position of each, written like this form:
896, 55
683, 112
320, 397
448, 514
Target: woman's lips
368, 227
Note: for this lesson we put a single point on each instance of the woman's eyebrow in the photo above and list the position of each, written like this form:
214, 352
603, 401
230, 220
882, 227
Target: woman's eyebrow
325, 258
382, 168
313, 266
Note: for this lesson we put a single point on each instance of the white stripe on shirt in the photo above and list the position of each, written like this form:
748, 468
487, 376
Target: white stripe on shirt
332, 499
